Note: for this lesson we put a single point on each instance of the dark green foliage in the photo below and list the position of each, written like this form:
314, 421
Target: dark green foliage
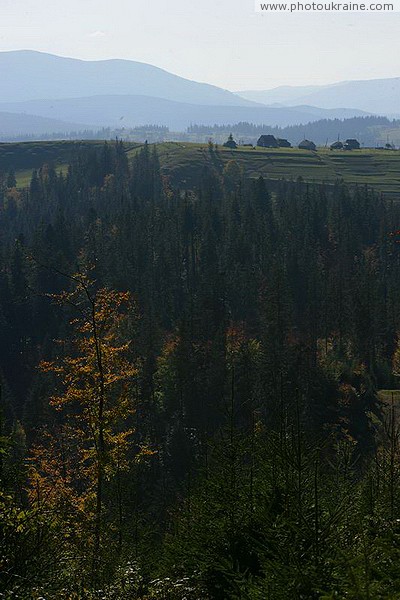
267, 323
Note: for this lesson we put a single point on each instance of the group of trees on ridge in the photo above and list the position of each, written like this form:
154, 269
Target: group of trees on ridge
189, 386
371, 130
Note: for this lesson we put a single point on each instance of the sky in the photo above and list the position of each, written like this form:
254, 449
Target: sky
223, 42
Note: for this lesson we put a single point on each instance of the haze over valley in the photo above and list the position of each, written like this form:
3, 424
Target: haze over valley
54, 94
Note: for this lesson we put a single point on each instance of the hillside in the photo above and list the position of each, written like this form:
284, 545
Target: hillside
185, 162
24, 157
378, 168
32, 155
226, 348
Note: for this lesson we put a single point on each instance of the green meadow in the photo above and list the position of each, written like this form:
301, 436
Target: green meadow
185, 162
379, 169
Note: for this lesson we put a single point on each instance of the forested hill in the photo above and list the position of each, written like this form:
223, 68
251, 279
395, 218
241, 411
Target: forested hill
184, 162
191, 378
28, 156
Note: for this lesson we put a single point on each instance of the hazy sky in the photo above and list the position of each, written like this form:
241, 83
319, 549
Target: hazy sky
223, 42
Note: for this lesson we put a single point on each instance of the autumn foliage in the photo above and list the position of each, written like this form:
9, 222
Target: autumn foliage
72, 464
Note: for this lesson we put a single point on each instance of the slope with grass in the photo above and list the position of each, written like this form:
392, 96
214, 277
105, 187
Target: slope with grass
379, 169
185, 162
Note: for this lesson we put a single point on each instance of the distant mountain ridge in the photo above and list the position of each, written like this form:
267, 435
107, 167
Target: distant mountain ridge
32, 75
131, 111
377, 96
12, 124
71, 94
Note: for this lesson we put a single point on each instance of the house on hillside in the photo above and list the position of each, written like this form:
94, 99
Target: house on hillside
282, 143
336, 146
230, 143
267, 141
307, 145
352, 144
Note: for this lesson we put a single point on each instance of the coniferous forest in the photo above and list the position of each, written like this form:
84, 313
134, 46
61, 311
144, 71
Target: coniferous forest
198, 386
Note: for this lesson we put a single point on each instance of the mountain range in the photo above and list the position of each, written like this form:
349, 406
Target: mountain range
47, 94
14, 124
130, 111
377, 96
34, 75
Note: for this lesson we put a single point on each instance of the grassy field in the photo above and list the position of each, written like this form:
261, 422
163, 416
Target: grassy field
379, 169
185, 162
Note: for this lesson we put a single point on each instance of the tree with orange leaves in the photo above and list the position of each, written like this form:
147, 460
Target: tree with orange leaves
70, 469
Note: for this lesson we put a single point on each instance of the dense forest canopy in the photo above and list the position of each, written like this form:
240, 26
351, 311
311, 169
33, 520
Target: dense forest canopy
191, 385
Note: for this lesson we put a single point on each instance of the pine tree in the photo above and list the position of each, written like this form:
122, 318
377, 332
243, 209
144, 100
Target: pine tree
11, 180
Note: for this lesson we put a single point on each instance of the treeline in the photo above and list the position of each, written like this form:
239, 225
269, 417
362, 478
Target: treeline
370, 131
189, 386
150, 133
